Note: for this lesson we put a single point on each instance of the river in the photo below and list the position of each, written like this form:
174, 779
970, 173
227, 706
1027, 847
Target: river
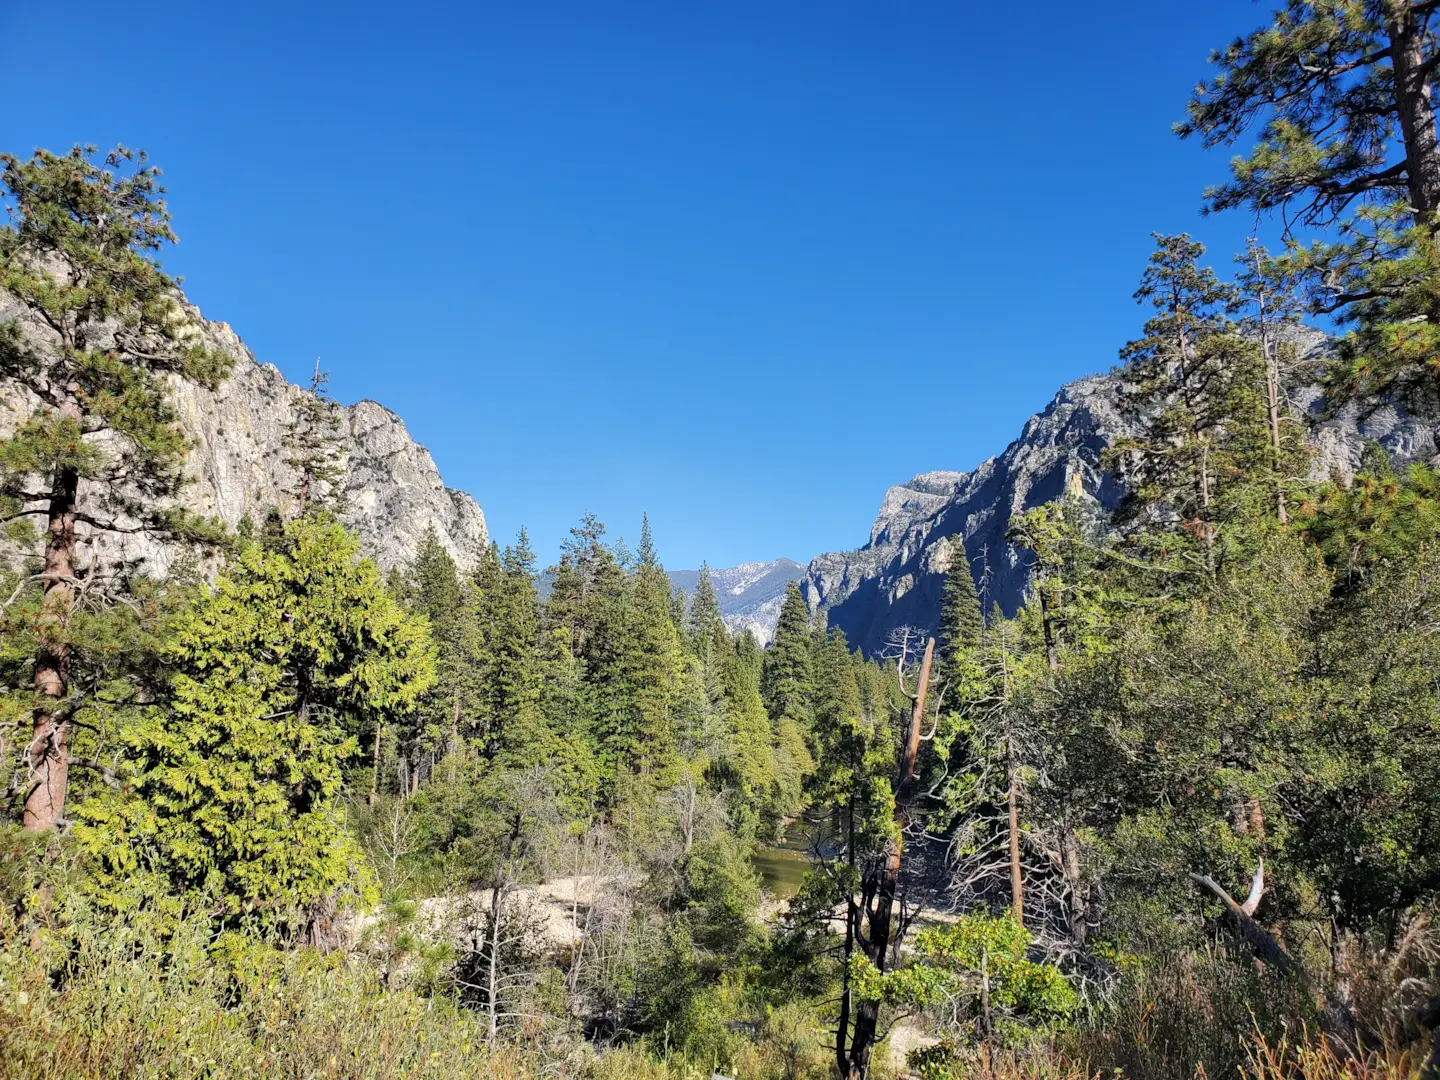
783, 865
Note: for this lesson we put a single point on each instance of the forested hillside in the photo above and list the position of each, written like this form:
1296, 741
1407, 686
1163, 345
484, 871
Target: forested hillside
282, 812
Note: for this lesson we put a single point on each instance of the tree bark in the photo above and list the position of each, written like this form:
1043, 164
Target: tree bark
1265, 944
48, 758
1415, 111
494, 993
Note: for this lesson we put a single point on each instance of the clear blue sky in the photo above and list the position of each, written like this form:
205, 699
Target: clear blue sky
743, 265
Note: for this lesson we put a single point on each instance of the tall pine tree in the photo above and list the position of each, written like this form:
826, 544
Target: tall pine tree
99, 331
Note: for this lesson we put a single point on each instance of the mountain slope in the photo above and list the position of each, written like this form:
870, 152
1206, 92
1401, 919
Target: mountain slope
895, 578
750, 594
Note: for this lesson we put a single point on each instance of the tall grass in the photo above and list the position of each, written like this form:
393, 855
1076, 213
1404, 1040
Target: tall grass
122, 1004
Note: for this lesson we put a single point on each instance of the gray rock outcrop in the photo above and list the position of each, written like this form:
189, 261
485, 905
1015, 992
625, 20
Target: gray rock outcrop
895, 579
391, 491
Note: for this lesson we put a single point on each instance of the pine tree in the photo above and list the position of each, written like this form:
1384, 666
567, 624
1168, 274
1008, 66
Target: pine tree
1191, 384
704, 616
655, 665
508, 666
232, 786
787, 684
101, 328
312, 443
432, 587
961, 623
760, 795
1267, 293
1340, 91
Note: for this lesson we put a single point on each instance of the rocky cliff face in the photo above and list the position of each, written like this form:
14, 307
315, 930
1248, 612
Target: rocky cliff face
750, 594
392, 492
895, 579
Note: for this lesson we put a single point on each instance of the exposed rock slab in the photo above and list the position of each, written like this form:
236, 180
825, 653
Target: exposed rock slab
391, 490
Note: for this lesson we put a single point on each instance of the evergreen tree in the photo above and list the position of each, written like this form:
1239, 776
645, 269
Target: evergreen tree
101, 453
787, 685
1190, 383
961, 623
232, 786
432, 588
760, 796
312, 443
704, 617
1340, 91
655, 665
510, 668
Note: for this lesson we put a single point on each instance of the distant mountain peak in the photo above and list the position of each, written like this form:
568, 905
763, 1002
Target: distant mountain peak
749, 594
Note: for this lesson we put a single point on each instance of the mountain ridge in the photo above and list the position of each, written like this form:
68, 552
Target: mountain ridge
895, 578
749, 594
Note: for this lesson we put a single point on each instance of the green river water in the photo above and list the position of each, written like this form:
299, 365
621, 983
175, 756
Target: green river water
783, 865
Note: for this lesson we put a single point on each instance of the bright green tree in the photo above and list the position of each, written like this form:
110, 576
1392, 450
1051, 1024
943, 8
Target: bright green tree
232, 783
704, 617
786, 683
96, 330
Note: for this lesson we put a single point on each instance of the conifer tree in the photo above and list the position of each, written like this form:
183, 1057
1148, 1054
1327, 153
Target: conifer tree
432, 587
1341, 94
787, 683
760, 794
961, 623
655, 664
232, 787
1190, 381
1266, 291
704, 617
312, 443
501, 637
99, 330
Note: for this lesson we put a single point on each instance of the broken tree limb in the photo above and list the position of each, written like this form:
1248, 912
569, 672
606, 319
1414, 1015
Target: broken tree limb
1265, 944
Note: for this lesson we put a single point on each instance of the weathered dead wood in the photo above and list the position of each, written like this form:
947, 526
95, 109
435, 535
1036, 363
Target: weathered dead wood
1265, 944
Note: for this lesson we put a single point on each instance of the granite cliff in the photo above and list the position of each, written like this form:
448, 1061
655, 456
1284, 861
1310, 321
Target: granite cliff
391, 490
895, 578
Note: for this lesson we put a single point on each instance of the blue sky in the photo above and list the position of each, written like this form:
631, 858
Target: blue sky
741, 265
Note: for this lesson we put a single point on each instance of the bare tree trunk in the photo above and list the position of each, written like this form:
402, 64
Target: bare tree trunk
1270, 349
852, 915
496, 894
1017, 879
876, 943
47, 756
1012, 796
